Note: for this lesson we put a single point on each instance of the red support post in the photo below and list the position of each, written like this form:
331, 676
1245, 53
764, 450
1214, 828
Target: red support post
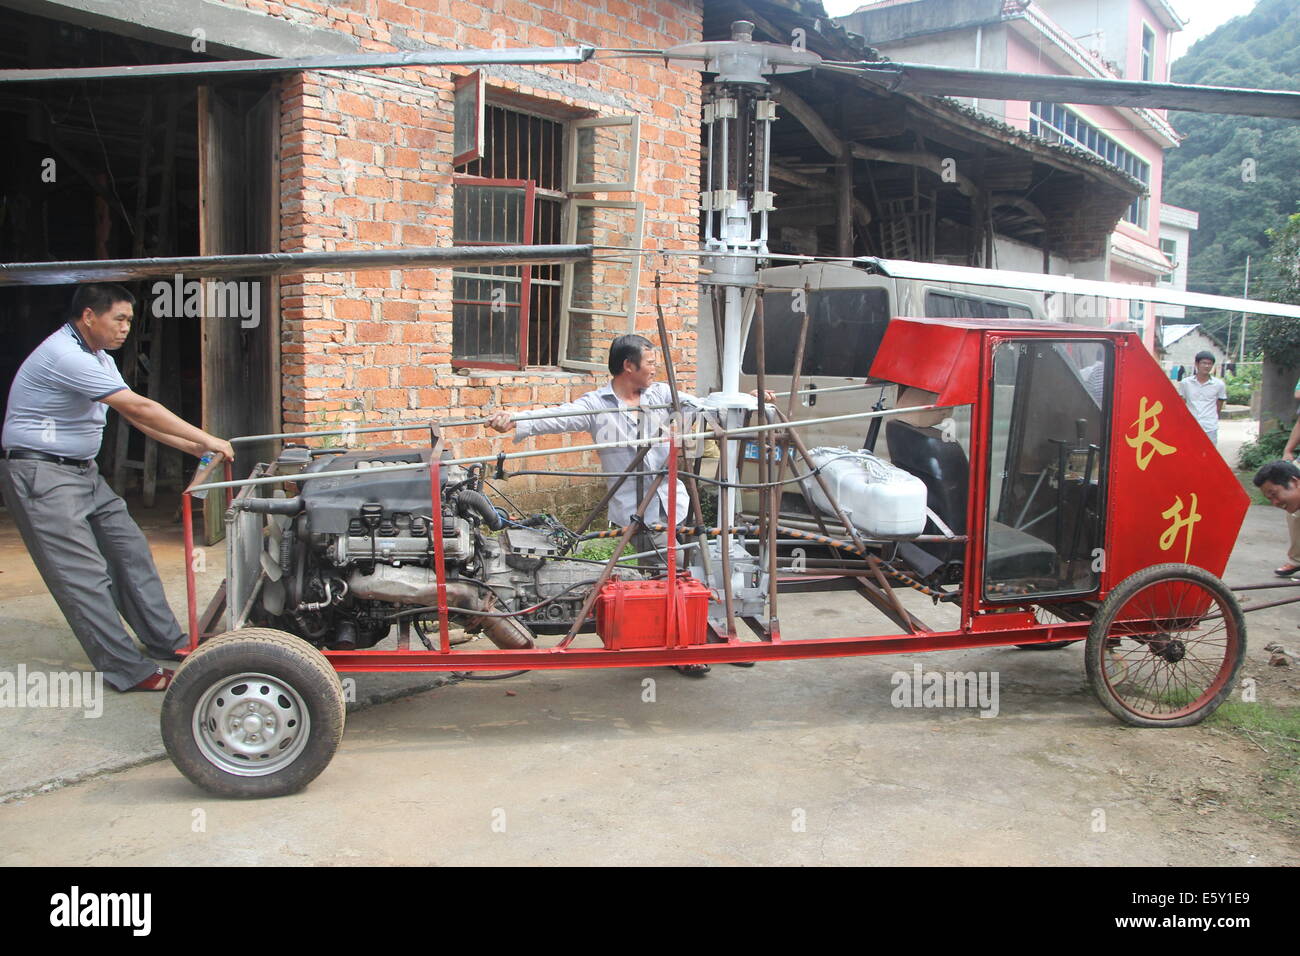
674, 635
191, 591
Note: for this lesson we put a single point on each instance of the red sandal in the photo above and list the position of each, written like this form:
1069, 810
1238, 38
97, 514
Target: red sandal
156, 681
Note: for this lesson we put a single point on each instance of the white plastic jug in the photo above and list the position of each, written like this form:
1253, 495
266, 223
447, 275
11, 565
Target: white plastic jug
881, 500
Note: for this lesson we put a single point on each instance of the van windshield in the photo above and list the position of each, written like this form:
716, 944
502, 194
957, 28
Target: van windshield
844, 331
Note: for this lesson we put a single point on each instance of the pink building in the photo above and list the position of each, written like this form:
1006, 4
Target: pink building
1127, 39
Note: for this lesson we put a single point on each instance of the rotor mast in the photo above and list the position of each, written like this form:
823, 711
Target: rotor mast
736, 197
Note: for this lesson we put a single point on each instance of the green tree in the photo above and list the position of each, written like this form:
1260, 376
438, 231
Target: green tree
1278, 337
1238, 172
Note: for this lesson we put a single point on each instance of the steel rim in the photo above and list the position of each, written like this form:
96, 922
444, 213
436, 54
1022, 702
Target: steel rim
251, 725
1170, 649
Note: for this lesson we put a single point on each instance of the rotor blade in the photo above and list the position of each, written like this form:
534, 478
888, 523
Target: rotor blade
284, 263
341, 61
991, 84
1037, 282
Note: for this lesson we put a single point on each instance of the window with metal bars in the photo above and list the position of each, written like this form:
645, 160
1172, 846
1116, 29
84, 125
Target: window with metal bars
517, 184
508, 316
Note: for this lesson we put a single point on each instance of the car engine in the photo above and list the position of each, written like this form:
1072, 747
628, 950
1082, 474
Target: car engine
345, 555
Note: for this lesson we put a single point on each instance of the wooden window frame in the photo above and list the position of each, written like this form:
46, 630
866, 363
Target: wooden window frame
571, 184
634, 286
474, 79
525, 273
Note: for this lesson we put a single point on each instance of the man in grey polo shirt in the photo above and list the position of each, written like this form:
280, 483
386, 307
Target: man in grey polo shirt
91, 555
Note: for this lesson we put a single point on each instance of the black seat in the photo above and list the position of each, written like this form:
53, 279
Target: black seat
942, 465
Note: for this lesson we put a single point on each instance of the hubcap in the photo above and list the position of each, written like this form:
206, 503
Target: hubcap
251, 725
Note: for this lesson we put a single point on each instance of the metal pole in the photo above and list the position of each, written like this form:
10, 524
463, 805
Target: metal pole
724, 528
1245, 294
512, 456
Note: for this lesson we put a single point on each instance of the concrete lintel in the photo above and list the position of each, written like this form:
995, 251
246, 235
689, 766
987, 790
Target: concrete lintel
228, 32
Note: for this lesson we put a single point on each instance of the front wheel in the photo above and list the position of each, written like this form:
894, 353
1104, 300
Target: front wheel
254, 713
1165, 647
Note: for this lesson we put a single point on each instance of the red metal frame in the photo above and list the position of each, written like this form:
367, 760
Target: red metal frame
1132, 494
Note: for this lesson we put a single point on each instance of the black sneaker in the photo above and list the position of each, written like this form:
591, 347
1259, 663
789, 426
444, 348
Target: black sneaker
692, 670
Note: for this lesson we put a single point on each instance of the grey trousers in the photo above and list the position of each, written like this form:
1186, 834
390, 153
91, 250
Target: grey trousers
95, 561
656, 541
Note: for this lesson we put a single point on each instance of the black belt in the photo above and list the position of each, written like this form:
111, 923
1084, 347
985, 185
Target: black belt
41, 456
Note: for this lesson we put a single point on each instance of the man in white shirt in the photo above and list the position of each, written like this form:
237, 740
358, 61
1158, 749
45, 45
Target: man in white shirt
632, 390
1204, 395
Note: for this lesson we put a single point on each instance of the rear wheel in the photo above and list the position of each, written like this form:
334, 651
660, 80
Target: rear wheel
253, 713
1165, 647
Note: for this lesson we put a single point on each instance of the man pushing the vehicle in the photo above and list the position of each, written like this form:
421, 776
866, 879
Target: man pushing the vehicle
91, 555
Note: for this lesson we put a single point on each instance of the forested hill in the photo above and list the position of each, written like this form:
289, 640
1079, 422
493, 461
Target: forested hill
1211, 171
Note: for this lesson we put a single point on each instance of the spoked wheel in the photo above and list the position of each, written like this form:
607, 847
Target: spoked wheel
1165, 647
254, 713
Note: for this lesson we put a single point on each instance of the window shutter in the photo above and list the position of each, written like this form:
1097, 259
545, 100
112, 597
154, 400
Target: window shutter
600, 296
467, 110
603, 155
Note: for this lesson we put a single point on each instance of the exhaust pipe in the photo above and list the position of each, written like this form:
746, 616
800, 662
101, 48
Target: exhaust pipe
418, 587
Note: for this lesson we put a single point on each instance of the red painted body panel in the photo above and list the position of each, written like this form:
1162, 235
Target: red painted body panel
927, 354
1162, 467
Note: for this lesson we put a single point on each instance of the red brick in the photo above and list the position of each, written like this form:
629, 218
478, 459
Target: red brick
353, 149
375, 231
417, 332
433, 397
353, 105
399, 312
351, 309
380, 188
415, 375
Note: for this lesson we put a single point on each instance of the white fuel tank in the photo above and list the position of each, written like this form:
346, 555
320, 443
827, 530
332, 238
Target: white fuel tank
881, 500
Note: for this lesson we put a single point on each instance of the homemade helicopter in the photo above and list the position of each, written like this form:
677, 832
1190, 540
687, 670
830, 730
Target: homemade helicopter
1087, 505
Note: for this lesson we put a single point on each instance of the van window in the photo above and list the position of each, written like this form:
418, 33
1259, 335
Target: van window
844, 331
942, 306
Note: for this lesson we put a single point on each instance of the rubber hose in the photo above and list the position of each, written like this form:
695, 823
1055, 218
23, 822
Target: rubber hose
469, 500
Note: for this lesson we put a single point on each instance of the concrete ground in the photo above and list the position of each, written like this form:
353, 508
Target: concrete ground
799, 762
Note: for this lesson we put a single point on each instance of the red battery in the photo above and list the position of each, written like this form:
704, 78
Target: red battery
633, 613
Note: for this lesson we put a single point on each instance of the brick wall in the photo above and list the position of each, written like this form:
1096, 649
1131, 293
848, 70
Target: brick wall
367, 164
